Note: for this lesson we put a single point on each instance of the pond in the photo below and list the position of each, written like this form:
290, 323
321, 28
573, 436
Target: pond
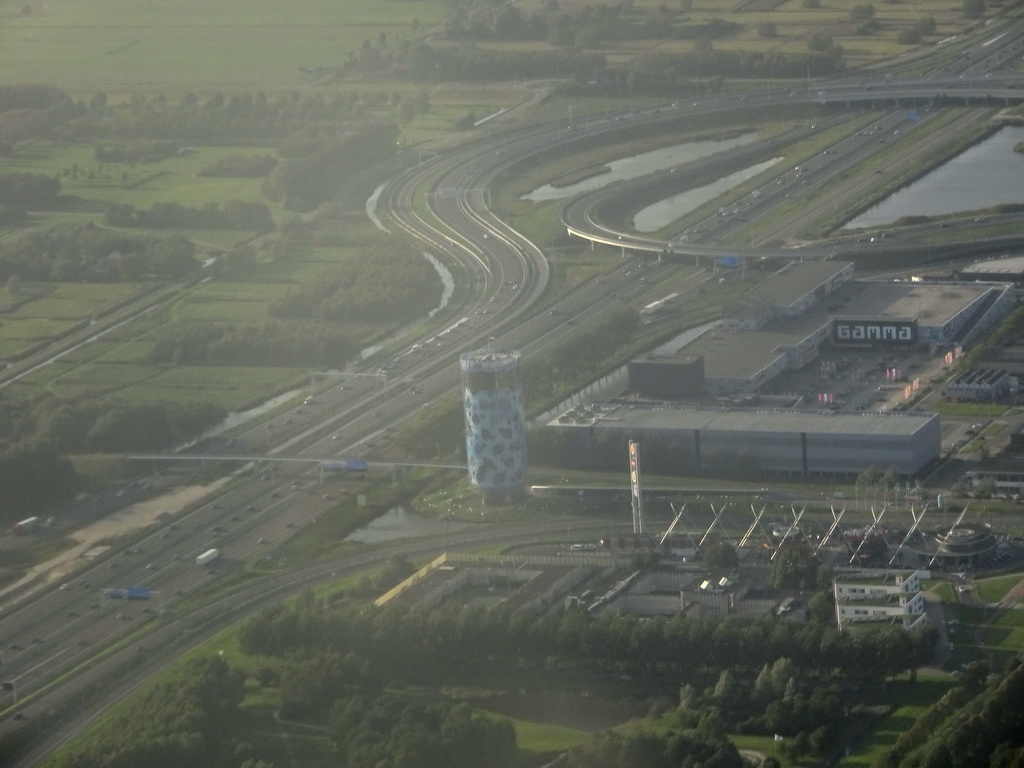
399, 523
989, 173
640, 165
664, 212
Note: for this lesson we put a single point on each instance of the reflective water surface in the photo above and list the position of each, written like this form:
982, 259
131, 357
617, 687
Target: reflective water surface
987, 174
640, 165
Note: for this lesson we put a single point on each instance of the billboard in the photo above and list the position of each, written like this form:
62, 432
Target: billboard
874, 331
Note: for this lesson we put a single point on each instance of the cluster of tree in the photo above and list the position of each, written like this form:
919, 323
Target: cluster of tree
545, 375
451, 640
32, 111
396, 730
795, 569
28, 190
19, 97
916, 34
973, 9
1009, 330
587, 27
705, 747
144, 426
136, 152
236, 214
12, 216
312, 171
436, 432
190, 720
780, 702
672, 73
762, 677
49, 424
291, 344
309, 684
395, 571
217, 119
90, 253
391, 283
973, 724
240, 167
162, 125
34, 478
437, 63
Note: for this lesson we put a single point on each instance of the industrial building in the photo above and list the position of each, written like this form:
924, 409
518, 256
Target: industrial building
979, 384
795, 289
962, 546
891, 598
495, 424
783, 323
771, 441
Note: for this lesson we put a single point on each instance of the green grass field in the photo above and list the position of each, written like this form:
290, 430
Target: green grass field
910, 700
143, 46
995, 589
175, 179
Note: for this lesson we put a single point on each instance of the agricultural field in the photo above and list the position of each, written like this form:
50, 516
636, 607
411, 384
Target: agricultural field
176, 179
125, 47
120, 364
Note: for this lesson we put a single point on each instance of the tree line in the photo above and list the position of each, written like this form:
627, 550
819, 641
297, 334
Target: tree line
391, 729
79, 426
977, 723
585, 27
452, 639
193, 719
313, 170
35, 437
390, 283
93, 254
35, 477
290, 344
236, 214
240, 167
133, 131
735, 676
438, 63
28, 190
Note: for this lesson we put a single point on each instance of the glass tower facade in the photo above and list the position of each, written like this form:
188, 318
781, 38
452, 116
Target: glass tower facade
492, 396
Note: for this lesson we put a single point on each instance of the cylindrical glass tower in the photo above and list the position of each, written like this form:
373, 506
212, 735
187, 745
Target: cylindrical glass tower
492, 396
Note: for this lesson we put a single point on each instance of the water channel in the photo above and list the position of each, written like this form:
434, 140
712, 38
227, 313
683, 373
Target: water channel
989, 173
664, 212
640, 165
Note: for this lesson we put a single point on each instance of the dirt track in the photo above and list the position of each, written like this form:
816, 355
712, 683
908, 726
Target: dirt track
125, 521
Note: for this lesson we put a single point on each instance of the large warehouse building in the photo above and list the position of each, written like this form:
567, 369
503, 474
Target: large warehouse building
783, 323
767, 341
714, 439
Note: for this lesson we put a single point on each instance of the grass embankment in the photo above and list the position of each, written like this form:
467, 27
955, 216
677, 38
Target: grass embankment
908, 701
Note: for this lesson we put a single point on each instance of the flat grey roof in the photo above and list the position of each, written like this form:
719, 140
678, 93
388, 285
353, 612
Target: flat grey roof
652, 418
932, 304
1009, 266
739, 354
796, 280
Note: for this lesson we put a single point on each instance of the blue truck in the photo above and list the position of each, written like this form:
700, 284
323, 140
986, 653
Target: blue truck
128, 593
